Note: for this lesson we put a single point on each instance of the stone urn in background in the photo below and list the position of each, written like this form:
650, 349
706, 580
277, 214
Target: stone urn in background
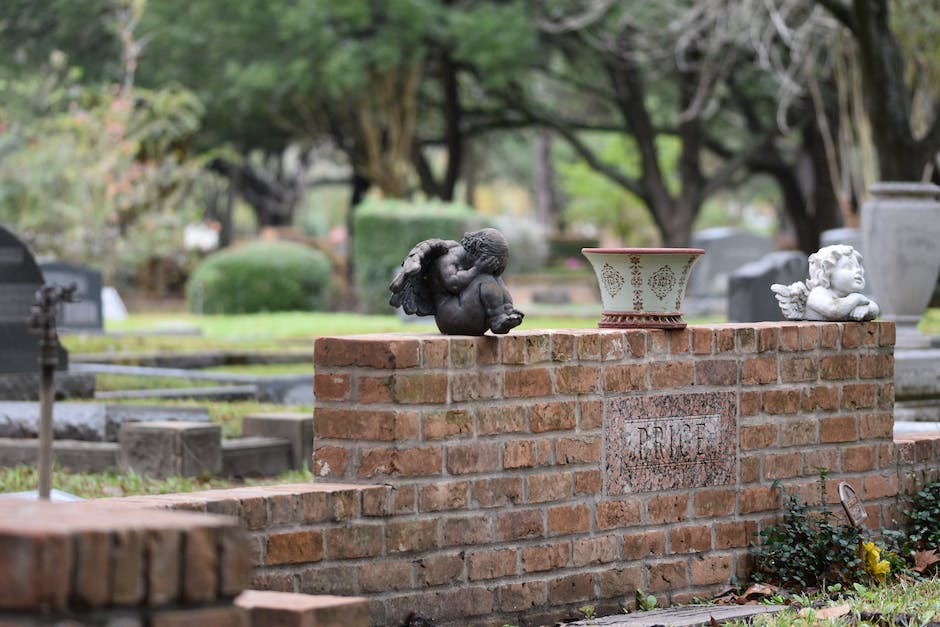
642, 287
901, 238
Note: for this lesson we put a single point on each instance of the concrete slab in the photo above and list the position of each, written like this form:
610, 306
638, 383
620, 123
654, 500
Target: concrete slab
75, 455
296, 428
216, 393
166, 449
255, 457
685, 616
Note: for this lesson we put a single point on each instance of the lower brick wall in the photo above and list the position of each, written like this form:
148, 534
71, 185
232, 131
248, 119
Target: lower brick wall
500, 480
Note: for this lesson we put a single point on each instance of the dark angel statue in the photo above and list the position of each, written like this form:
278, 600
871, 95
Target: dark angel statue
458, 283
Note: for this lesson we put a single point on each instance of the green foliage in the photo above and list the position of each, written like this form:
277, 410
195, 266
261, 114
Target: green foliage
384, 232
644, 602
597, 201
923, 513
808, 548
261, 276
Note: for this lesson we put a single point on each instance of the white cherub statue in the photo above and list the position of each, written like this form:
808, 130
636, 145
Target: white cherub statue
833, 290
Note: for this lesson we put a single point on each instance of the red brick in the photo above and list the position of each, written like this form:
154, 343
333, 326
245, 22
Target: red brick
491, 564
735, 534
714, 502
578, 450
385, 575
375, 389
589, 346
759, 371
886, 395
552, 416
473, 458
636, 339
809, 336
767, 338
611, 514
440, 496
760, 436
782, 465
626, 377
352, 541
702, 340
875, 426
35, 570
564, 519
828, 335
789, 338
231, 616
518, 597
679, 341
850, 335
331, 386
344, 504
420, 388
527, 383
358, 424
596, 550
446, 568
463, 352
577, 379
724, 340
436, 352
750, 403
200, 566
799, 432
93, 568
562, 346
796, 369
667, 508
411, 536
876, 366
340, 580
886, 333
411, 462
750, 468
620, 583
658, 342
690, 539
545, 487
545, 557
858, 395
670, 374
588, 482
373, 351
571, 589
879, 486
839, 367
639, 545
815, 459
475, 385
838, 429
613, 345
859, 458
776, 402
592, 415
820, 397
497, 491
716, 372
377, 501
759, 499
668, 576
285, 509
449, 423
713, 569
467, 531
294, 547
745, 340
496, 419
519, 525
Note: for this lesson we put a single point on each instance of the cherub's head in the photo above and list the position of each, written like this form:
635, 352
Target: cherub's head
841, 259
489, 250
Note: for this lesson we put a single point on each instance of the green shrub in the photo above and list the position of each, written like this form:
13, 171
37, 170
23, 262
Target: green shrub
808, 548
384, 232
261, 276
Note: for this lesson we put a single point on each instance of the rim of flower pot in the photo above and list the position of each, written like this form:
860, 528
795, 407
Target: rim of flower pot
648, 251
891, 188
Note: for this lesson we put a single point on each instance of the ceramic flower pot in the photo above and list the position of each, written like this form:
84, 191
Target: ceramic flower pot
642, 287
900, 229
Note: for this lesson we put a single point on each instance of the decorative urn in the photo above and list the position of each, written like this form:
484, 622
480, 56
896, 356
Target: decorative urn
642, 287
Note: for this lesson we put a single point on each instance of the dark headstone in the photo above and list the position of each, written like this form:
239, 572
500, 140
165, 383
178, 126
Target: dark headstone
749, 295
85, 313
20, 277
726, 250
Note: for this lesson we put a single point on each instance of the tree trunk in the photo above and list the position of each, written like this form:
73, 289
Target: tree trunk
547, 204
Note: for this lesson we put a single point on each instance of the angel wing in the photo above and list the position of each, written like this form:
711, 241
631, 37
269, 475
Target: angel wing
410, 288
792, 299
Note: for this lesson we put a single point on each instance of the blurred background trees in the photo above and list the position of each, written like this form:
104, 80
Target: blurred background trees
124, 121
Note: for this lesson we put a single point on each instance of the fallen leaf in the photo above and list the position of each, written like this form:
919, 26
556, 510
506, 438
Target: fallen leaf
758, 592
712, 621
827, 612
923, 559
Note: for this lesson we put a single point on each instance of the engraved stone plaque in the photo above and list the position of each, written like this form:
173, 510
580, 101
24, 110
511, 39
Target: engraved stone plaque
669, 441
85, 314
853, 507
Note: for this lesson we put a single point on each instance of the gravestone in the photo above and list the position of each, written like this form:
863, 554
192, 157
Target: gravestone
726, 250
749, 295
20, 277
85, 313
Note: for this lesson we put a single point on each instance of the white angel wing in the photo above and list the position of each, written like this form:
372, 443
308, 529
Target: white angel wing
792, 299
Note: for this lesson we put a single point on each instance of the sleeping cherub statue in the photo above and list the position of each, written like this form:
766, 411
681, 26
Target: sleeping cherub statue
833, 290
458, 283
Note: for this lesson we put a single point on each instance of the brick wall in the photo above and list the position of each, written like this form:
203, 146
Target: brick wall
475, 480
79, 564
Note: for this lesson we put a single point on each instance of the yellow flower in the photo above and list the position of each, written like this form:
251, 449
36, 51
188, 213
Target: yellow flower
871, 557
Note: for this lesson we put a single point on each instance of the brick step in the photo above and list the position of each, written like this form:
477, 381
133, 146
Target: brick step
289, 609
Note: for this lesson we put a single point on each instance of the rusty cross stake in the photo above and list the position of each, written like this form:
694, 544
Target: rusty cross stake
42, 319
